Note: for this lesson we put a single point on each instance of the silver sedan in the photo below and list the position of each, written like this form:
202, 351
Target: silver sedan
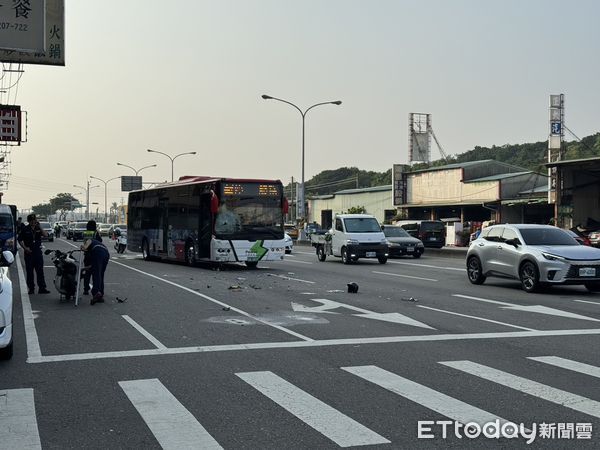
537, 255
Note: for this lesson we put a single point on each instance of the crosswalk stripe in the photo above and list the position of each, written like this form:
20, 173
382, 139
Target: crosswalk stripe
554, 395
171, 423
18, 424
434, 400
568, 364
334, 425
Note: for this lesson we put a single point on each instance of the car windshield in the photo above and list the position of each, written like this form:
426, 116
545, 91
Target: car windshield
45, 225
546, 236
432, 226
395, 232
362, 225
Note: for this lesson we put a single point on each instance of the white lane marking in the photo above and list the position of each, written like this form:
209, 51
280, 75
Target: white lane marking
290, 278
297, 261
327, 305
18, 423
310, 344
210, 299
476, 318
427, 266
403, 276
585, 301
31, 337
143, 332
170, 422
568, 364
540, 309
545, 392
334, 425
422, 395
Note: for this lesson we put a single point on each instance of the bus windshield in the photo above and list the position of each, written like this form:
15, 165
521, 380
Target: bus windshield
249, 218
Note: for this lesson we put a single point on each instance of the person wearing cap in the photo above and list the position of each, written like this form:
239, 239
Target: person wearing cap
90, 232
30, 238
98, 257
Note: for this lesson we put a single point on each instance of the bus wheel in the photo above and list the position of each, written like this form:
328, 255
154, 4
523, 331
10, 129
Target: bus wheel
251, 264
190, 254
145, 250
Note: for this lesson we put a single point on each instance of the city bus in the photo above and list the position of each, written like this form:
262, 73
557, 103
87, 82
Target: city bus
208, 219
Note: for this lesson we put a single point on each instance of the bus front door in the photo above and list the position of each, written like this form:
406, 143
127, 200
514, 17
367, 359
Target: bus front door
205, 227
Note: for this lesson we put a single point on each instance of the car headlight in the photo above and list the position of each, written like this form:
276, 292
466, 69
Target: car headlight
384, 242
351, 242
393, 244
551, 257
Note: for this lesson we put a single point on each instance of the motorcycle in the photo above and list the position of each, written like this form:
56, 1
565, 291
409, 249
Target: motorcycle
67, 271
120, 241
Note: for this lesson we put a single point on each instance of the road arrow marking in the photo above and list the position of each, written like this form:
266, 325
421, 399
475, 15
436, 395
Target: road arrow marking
327, 305
533, 308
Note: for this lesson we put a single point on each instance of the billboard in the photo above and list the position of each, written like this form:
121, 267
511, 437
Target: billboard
10, 123
22, 25
131, 183
399, 183
53, 53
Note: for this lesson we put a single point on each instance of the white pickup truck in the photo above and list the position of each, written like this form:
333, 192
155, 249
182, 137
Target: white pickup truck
352, 236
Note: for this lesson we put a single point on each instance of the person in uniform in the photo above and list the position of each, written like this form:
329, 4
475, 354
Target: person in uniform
30, 238
90, 232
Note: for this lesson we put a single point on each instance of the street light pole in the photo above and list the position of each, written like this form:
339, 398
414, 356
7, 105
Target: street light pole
138, 170
105, 186
300, 206
172, 158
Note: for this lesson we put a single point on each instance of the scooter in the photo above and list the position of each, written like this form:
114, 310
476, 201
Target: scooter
120, 241
68, 273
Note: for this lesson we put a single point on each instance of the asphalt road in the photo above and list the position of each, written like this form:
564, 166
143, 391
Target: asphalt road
284, 357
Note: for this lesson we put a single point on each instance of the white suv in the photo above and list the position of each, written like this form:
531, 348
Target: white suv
6, 306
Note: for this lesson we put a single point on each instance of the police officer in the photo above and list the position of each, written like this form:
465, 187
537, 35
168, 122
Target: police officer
30, 238
90, 232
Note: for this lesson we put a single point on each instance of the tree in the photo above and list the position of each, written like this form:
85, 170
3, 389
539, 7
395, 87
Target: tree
357, 210
62, 202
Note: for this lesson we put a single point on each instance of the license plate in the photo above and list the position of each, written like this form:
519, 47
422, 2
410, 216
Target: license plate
410, 249
587, 272
371, 254
432, 239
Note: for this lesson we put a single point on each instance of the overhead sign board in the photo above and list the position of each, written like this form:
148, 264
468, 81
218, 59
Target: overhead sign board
54, 33
22, 25
131, 183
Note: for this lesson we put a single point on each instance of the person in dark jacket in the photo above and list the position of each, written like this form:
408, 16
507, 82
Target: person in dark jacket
90, 232
30, 238
98, 257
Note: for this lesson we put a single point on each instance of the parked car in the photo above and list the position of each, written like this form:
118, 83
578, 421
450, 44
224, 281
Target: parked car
48, 228
594, 238
431, 232
582, 239
77, 230
537, 255
8, 234
289, 244
6, 306
401, 243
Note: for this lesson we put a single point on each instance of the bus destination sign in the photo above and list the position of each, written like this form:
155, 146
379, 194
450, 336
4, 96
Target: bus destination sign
251, 189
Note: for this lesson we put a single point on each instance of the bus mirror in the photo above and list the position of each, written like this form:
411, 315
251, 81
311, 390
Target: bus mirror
285, 205
214, 204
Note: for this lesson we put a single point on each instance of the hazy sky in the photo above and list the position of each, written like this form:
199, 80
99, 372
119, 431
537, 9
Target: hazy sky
187, 75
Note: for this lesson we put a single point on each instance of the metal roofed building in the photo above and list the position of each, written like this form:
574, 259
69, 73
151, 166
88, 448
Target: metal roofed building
475, 191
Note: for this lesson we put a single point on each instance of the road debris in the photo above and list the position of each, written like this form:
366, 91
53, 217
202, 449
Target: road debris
409, 299
235, 287
121, 300
226, 308
352, 288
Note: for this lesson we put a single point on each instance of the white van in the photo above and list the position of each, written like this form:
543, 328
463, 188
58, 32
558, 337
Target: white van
353, 236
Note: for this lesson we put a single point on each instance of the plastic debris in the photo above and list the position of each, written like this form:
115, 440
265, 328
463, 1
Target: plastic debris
409, 299
235, 287
334, 291
352, 288
226, 308
121, 300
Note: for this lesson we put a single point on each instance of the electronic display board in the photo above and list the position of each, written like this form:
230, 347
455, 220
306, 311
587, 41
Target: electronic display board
251, 189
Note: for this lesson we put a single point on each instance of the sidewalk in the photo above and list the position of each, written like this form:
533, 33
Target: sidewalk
444, 252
